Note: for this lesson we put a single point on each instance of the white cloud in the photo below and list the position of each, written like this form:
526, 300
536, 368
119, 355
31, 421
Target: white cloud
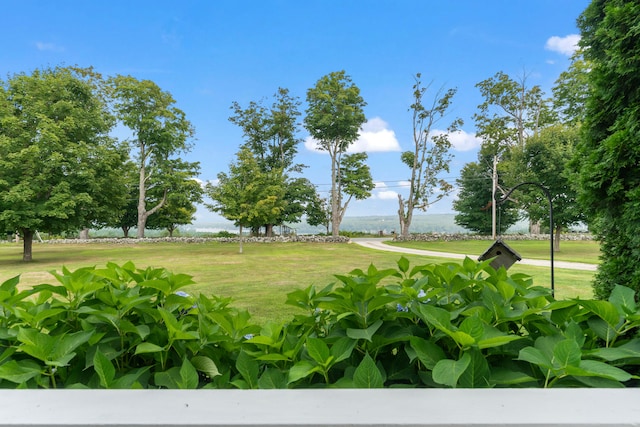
565, 45
461, 140
386, 195
382, 191
311, 144
48, 47
375, 135
380, 185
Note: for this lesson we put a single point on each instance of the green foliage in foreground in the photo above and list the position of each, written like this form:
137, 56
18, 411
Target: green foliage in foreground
434, 325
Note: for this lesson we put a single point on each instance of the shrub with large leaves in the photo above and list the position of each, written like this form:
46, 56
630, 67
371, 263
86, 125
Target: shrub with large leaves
117, 327
435, 325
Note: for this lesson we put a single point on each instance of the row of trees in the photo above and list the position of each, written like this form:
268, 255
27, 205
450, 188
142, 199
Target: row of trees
526, 137
62, 169
142, 182
582, 144
260, 190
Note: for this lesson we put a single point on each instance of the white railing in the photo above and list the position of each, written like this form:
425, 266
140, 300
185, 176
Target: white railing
382, 407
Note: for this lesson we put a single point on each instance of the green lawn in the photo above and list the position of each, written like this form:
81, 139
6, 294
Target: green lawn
576, 251
258, 280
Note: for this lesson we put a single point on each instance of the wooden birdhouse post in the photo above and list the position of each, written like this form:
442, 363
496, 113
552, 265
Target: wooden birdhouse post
503, 255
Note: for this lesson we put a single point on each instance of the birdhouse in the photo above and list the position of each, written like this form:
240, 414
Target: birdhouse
503, 255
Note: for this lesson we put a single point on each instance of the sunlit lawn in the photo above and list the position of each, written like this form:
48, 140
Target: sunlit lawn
257, 280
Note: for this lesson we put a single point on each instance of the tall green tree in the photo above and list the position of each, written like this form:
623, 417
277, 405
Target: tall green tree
333, 118
545, 159
511, 112
270, 134
247, 195
430, 155
59, 169
160, 132
608, 154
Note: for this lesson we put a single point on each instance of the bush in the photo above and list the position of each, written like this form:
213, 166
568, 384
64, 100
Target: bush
436, 325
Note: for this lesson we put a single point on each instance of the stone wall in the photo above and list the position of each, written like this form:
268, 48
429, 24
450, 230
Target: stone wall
432, 237
278, 239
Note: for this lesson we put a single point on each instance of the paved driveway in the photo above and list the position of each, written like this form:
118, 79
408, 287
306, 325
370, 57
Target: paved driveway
380, 245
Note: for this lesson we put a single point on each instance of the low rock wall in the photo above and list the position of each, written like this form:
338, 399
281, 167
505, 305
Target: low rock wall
432, 237
278, 239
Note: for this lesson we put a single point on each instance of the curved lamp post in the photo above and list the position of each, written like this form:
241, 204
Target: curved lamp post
545, 190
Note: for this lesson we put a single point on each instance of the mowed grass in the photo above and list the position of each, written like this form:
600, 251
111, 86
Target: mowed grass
576, 251
257, 280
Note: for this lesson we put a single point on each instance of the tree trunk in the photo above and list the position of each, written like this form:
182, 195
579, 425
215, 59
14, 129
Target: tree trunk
405, 220
125, 231
556, 240
335, 199
241, 238
268, 230
143, 214
142, 194
27, 245
84, 234
534, 227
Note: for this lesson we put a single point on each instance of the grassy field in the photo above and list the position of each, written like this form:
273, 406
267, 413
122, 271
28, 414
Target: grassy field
576, 251
258, 280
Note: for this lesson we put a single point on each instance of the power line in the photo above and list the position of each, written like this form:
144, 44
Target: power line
450, 179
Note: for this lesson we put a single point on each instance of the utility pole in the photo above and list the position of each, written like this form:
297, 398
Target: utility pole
493, 196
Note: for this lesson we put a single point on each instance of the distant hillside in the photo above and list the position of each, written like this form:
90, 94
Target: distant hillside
428, 223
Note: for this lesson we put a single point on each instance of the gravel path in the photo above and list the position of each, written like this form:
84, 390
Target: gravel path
380, 245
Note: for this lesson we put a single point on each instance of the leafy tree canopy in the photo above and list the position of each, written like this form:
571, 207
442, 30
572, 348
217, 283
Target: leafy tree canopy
334, 118
160, 132
510, 112
60, 169
270, 134
247, 195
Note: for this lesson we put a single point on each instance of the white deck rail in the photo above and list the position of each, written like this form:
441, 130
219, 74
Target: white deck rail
382, 407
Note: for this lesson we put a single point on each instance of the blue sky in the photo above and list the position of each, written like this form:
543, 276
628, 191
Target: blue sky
208, 54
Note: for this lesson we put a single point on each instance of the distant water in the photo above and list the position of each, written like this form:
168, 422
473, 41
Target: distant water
428, 223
